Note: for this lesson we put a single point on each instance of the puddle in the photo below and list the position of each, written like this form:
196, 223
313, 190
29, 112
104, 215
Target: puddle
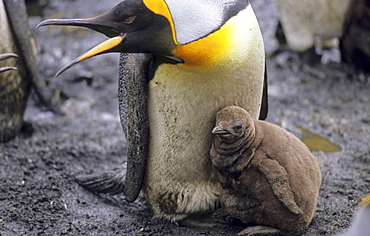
317, 143
365, 201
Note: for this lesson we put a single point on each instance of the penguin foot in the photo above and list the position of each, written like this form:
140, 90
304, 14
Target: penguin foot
105, 182
201, 221
260, 231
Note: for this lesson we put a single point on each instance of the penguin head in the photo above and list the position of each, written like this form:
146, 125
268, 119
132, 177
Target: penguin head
169, 28
229, 131
232, 123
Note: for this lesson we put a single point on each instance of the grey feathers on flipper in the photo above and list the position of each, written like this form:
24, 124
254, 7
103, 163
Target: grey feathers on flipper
17, 16
133, 109
122, 93
132, 96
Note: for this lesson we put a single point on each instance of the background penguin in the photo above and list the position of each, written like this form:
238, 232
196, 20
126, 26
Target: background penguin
200, 56
355, 41
269, 177
360, 225
15, 86
305, 21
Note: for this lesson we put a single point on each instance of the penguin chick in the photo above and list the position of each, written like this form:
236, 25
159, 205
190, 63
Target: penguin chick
269, 177
355, 40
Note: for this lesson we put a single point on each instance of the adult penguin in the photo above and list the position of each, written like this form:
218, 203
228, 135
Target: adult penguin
15, 85
305, 21
199, 56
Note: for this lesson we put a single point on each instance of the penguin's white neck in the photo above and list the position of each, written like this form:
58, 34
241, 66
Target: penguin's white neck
238, 40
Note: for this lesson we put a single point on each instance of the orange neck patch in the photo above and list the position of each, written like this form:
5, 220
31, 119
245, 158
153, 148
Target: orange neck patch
206, 51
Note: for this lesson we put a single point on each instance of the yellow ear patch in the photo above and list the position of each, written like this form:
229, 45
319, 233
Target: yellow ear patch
160, 7
235, 41
206, 51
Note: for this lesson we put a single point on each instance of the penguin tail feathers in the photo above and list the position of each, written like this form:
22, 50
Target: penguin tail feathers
106, 182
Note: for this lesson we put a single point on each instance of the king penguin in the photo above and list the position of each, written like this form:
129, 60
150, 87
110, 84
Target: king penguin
196, 56
15, 85
305, 21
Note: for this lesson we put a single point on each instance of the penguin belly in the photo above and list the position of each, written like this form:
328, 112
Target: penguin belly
182, 107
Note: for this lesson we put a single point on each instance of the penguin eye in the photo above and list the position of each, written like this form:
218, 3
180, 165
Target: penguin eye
237, 127
129, 20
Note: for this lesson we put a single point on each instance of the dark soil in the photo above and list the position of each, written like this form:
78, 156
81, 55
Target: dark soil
38, 193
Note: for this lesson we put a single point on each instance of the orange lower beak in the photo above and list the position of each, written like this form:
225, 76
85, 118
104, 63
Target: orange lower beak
103, 47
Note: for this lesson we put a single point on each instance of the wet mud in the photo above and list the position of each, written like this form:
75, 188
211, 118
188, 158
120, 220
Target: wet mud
38, 193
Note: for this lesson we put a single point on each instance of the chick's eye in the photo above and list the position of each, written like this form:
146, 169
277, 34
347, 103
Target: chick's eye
129, 19
237, 127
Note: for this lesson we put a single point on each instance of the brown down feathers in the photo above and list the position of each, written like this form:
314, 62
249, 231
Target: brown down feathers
269, 177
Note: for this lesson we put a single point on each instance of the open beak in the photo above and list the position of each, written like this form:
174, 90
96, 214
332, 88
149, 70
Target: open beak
123, 38
99, 24
4, 57
107, 46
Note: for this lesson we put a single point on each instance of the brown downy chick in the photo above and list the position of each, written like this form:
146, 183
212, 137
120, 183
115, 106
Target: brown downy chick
269, 177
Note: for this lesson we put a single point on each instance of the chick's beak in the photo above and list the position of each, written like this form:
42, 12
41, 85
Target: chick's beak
218, 130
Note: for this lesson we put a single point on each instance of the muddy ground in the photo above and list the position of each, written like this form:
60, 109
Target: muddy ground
38, 193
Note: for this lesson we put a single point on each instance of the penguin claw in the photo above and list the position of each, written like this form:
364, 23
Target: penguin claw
6, 68
260, 230
5, 56
201, 221
106, 182
8, 55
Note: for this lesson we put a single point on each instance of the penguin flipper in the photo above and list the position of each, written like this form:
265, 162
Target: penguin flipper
264, 102
18, 20
278, 178
132, 96
133, 109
